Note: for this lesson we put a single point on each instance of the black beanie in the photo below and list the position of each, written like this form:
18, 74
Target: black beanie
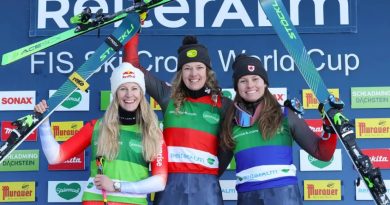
246, 65
191, 51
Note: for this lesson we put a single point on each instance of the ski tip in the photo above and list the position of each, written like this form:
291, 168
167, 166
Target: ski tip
4, 61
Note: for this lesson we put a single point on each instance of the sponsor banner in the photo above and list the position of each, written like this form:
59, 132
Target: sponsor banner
228, 188
372, 127
379, 157
229, 17
7, 127
370, 97
21, 160
17, 100
65, 191
75, 163
362, 193
310, 101
229, 93
17, 191
105, 99
309, 163
322, 190
154, 105
279, 93
315, 125
62, 131
77, 101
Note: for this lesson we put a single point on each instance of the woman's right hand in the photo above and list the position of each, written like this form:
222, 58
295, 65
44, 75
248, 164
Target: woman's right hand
41, 107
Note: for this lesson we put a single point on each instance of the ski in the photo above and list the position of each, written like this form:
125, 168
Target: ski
280, 20
86, 22
77, 80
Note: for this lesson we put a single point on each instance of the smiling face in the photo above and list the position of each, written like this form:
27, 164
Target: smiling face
129, 96
251, 87
194, 75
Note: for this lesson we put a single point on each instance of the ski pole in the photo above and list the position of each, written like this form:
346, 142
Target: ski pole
99, 164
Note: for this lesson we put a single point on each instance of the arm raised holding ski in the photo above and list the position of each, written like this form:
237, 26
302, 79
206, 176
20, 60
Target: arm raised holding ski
127, 139
277, 15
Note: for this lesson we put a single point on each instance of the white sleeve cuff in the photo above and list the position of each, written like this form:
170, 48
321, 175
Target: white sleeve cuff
152, 184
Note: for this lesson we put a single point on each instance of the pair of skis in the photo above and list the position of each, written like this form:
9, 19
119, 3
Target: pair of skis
78, 79
277, 15
86, 22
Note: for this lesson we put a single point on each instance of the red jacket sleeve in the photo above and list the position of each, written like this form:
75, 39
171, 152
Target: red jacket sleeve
78, 142
159, 166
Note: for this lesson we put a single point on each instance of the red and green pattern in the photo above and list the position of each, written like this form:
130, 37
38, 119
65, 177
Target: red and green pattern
191, 136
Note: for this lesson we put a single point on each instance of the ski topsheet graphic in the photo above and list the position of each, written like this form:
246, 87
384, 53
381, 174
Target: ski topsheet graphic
277, 15
78, 80
86, 22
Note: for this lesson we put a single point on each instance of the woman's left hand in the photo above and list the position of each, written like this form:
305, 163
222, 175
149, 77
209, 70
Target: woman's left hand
103, 182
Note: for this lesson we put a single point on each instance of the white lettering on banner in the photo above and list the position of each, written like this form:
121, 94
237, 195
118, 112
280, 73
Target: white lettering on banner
369, 93
62, 61
62, 65
189, 155
75, 160
265, 172
228, 10
286, 63
57, 16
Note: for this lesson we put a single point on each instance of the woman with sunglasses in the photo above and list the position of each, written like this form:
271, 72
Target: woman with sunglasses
260, 134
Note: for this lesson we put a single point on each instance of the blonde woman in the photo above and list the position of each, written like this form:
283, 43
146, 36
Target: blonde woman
127, 138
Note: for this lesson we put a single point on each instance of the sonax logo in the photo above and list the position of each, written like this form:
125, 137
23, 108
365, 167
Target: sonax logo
17, 100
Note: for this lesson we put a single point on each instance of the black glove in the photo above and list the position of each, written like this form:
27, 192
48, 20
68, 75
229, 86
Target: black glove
295, 105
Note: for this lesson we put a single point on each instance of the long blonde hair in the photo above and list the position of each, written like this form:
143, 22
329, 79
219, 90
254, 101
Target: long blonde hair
179, 92
108, 143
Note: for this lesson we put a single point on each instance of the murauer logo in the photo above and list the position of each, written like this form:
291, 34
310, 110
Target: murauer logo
367, 129
11, 192
328, 190
68, 191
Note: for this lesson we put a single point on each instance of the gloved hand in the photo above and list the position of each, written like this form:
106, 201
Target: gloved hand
295, 105
340, 122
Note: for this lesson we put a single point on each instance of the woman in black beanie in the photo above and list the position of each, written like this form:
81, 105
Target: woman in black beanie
193, 108
260, 134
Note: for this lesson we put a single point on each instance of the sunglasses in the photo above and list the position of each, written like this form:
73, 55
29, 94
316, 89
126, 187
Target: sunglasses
242, 118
